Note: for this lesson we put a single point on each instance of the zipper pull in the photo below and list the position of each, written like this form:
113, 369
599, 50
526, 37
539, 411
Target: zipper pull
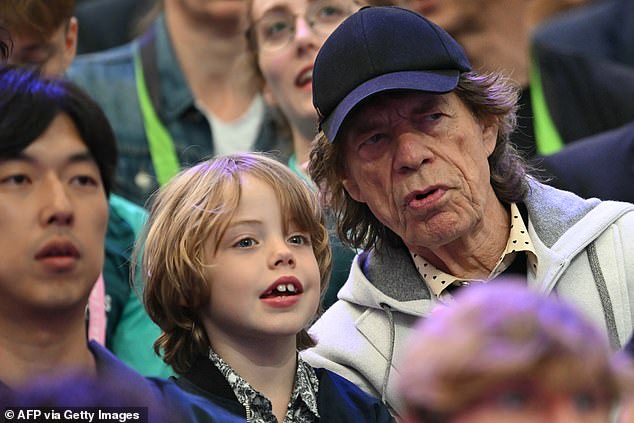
249, 413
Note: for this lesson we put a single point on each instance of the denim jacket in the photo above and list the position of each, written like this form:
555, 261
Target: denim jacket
108, 77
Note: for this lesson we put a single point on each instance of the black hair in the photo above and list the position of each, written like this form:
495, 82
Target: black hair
30, 102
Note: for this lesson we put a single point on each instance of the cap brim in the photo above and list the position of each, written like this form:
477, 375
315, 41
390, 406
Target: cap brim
430, 81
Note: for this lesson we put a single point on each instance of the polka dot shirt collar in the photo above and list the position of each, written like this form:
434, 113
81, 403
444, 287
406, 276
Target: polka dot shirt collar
519, 241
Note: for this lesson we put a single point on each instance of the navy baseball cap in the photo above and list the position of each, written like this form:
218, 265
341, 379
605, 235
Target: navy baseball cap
380, 49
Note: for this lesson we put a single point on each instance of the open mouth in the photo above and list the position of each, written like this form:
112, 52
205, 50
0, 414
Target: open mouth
305, 77
419, 195
422, 198
285, 287
424, 195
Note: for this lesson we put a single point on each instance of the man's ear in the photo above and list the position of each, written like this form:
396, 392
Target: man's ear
489, 135
353, 189
70, 42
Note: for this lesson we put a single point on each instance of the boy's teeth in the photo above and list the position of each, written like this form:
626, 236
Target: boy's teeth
289, 287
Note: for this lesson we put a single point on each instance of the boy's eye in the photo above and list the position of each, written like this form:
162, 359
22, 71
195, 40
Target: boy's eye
245, 243
299, 240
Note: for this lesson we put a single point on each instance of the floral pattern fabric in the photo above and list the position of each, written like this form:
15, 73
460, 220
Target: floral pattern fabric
302, 406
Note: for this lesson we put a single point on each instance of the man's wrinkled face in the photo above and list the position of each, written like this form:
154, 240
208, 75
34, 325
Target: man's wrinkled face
419, 161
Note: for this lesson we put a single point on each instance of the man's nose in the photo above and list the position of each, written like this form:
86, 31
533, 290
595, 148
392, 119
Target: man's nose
57, 207
411, 152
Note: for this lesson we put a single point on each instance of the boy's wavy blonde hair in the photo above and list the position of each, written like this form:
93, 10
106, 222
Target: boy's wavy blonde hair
196, 206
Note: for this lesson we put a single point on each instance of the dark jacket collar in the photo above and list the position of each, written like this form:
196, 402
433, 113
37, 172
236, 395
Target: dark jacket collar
204, 379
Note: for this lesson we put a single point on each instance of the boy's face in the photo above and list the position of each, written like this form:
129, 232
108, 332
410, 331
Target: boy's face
51, 56
265, 281
53, 216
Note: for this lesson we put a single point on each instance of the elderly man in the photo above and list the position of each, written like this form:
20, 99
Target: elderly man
413, 156
566, 94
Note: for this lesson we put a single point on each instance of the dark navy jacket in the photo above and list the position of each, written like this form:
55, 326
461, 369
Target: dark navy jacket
166, 401
338, 400
601, 166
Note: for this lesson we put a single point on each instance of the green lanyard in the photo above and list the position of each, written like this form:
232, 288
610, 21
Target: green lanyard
547, 137
162, 148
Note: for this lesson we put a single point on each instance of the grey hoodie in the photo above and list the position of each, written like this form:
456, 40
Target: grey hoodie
585, 252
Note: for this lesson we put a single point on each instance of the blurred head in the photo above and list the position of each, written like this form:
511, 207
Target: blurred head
218, 16
189, 219
502, 352
468, 118
285, 36
481, 26
44, 33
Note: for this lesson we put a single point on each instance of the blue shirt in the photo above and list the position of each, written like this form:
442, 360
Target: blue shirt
108, 77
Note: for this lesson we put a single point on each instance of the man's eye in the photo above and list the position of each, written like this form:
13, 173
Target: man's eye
374, 139
16, 180
299, 240
433, 116
84, 180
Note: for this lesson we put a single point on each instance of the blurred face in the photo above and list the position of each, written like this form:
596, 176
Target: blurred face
419, 161
475, 24
288, 35
51, 56
53, 214
206, 12
531, 402
452, 15
265, 281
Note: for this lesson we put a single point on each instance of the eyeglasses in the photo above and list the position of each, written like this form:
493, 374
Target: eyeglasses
277, 28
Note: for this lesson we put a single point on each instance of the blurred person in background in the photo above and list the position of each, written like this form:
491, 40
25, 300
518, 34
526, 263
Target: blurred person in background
185, 90
504, 353
565, 95
108, 23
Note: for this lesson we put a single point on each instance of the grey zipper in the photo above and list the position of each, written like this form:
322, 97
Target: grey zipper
247, 408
